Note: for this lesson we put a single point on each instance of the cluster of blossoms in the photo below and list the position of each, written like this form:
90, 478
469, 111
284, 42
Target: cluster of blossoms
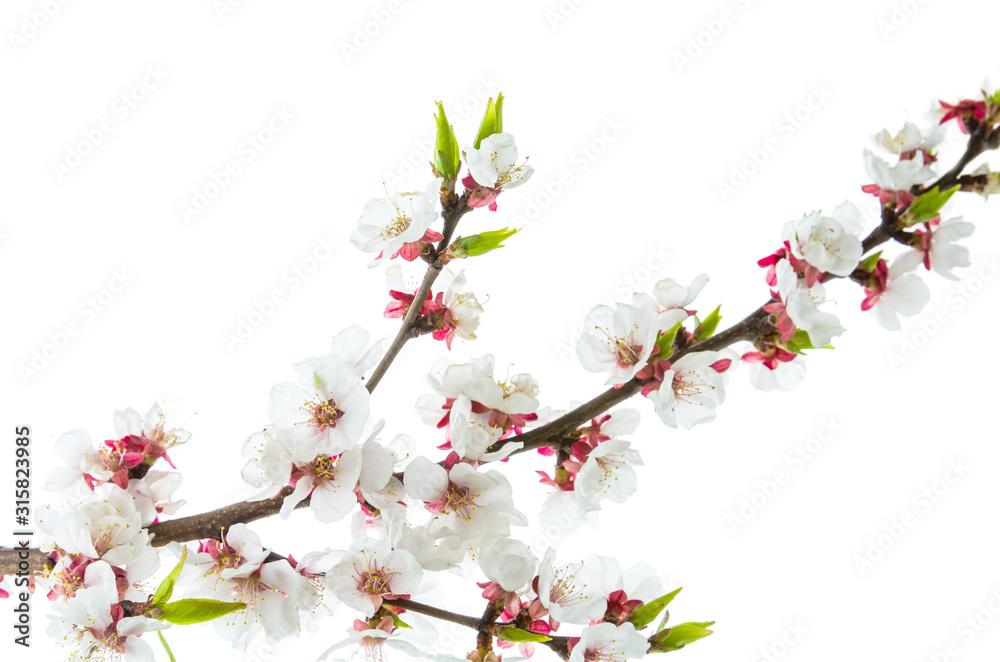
636, 340
98, 542
412, 515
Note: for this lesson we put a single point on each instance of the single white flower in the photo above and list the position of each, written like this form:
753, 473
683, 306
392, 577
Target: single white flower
109, 529
608, 472
607, 642
324, 413
823, 241
509, 563
619, 339
371, 572
387, 225
895, 293
494, 164
909, 139
940, 251
576, 592
673, 298
900, 177
474, 506
690, 391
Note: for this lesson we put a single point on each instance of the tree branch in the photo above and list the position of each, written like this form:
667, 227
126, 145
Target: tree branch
407, 329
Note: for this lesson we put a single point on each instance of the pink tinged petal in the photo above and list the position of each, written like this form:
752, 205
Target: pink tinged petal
484, 197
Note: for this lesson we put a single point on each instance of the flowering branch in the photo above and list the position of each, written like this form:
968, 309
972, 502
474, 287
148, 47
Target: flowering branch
315, 454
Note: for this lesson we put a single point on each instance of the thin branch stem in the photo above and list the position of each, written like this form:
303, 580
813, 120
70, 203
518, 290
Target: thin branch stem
408, 329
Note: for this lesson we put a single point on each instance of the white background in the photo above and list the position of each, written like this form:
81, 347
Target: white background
595, 93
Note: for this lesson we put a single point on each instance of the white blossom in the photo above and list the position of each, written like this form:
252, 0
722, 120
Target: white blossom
607, 642
370, 572
823, 241
494, 164
618, 340
690, 391
386, 224
608, 472
509, 563
324, 413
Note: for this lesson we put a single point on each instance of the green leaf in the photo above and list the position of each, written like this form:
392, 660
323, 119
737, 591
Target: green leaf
708, 325
679, 636
398, 622
482, 243
492, 120
666, 341
163, 641
517, 635
185, 612
447, 159
647, 613
928, 205
166, 587
801, 342
870, 262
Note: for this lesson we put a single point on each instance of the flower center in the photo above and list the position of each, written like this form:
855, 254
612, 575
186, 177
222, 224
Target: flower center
324, 414
460, 500
374, 581
564, 590
324, 467
398, 225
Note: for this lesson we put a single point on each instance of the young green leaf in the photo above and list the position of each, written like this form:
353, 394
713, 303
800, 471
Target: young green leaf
447, 159
166, 587
707, 327
647, 613
194, 610
928, 205
482, 243
870, 262
679, 636
666, 341
520, 636
492, 120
